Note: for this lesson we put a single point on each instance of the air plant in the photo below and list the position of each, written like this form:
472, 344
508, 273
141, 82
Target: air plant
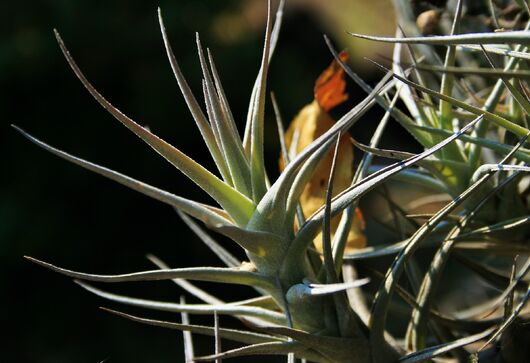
309, 303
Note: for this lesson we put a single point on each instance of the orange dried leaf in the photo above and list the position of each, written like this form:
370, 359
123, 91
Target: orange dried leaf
330, 86
311, 122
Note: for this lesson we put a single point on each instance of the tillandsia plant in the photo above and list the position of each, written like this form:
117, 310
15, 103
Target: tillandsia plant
471, 119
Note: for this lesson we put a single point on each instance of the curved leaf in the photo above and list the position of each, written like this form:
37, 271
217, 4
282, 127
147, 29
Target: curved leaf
230, 334
235, 203
435, 351
515, 37
194, 107
209, 309
212, 274
342, 200
203, 212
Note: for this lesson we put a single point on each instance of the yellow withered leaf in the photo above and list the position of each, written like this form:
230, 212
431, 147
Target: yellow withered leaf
311, 122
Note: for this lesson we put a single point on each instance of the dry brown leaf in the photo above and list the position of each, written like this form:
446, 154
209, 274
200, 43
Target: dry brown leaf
311, 122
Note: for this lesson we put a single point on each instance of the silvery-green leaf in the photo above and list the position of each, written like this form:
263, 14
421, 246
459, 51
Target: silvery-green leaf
211, 274
397, 114
518, 96
446, 170
235, 203
343, 199
275, 200
522, 154
257, 121
338, 349
273, 348
384, 294
186, 285
492, 117
435, 351
514, 37
445, 117
241, 336
275, 33
203, 212
478, 71
418, 324
194, 107
232, 148
208, 309
497, 50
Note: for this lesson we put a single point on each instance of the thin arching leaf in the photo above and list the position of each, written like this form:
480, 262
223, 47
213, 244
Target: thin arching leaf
514, 37
230, 334
518, 96
286, 154
489, 168
208, 309
186, 285
225, 107
510, 319
203, 212
384, 294
329, 264
435, 351
211, 274
492, 101
265, 302
341, 234
217, 336
273, 348
401, 117
493, 277
497, 50
232, 148
418, 324
522, 154
194, 107
478, 71
342, 200
257, 129
238, 205
277, 196
441, 168
492, 117
275, 33
500, 226
407, 96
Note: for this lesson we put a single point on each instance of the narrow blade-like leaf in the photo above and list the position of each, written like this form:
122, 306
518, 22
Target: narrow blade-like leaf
211, 274
514, 37
194, 107
230, 334
208, 309
203, 212
238, 205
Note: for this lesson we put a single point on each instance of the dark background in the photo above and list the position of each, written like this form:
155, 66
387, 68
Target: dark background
66, 215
